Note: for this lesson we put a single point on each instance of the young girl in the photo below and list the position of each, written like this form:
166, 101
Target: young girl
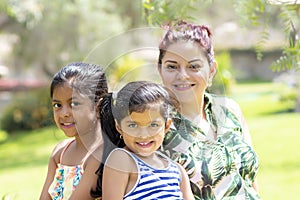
75, 92
137, 171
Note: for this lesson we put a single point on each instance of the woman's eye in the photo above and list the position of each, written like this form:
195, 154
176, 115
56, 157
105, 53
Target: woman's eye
195, 66
170, 67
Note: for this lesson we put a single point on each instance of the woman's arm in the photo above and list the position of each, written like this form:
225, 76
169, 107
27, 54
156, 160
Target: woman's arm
185, 185
255, 185
247, 138
246, 135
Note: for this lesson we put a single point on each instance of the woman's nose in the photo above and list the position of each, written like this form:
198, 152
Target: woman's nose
182, 73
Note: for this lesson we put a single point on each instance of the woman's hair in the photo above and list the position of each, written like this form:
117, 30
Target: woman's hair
133, 97
87, 79
184, 31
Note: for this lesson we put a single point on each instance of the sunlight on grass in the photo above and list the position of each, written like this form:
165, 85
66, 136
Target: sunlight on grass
30, 149
3, 136
24, 159
25, 183
275, 138
261, 99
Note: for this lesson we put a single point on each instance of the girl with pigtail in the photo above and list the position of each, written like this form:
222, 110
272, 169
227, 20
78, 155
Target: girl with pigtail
134, 122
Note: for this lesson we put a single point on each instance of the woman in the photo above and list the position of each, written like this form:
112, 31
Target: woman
209, 136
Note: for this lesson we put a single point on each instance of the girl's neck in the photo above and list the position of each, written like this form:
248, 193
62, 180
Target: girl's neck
152, 159
89, 141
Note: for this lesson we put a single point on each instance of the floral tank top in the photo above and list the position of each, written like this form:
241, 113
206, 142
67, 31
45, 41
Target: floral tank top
223, 167
66, 179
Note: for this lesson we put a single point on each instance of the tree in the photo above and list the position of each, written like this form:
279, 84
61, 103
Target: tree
50, 34
258, 13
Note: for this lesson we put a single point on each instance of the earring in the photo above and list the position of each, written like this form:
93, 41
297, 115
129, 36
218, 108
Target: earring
209, 82
121, 137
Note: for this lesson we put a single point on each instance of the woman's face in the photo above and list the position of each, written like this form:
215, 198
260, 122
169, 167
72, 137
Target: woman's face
185, 70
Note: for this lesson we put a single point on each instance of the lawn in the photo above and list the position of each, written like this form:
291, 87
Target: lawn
275, 136
24, 156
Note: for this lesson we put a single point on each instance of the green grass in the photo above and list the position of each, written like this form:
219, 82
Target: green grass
24, 156
275, 136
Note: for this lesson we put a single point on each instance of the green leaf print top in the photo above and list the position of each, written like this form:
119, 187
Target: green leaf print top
223, 167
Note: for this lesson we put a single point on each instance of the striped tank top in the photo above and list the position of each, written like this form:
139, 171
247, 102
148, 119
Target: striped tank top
155, 183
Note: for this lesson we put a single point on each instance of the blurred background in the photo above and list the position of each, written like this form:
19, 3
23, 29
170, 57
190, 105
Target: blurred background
257, 50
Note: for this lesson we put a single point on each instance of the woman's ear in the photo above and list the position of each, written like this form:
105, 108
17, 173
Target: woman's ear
168, 125
213, 69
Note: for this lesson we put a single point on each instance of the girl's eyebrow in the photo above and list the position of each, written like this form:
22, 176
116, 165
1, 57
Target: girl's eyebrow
70, 99
54, 100
130, 121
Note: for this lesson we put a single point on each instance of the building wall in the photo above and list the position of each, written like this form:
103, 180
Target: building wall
246, 66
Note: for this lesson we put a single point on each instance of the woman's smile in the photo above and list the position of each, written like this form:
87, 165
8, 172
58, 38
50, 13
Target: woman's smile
183, 86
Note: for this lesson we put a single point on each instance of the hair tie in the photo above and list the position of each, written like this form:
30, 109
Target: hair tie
114, 98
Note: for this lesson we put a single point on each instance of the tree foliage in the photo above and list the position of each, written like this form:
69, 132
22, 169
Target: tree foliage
51, 33
257, 13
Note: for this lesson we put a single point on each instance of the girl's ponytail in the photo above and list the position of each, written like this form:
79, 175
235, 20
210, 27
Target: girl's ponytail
110, 135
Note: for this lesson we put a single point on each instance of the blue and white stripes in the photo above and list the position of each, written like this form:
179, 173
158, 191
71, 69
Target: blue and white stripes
155, 183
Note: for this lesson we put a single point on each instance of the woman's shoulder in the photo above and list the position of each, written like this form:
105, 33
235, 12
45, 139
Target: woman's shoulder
224, 101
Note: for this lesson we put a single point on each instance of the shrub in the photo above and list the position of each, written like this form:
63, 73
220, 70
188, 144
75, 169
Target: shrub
27, 111
3, 136
223, 79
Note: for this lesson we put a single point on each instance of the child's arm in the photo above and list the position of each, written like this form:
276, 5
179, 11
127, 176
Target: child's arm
50, 175
116, 175
52, 165
185, 185
88, 180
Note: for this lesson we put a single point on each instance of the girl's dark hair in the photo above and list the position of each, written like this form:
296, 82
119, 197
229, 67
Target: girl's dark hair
182, 30
134, 97
137, 97
87, 79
